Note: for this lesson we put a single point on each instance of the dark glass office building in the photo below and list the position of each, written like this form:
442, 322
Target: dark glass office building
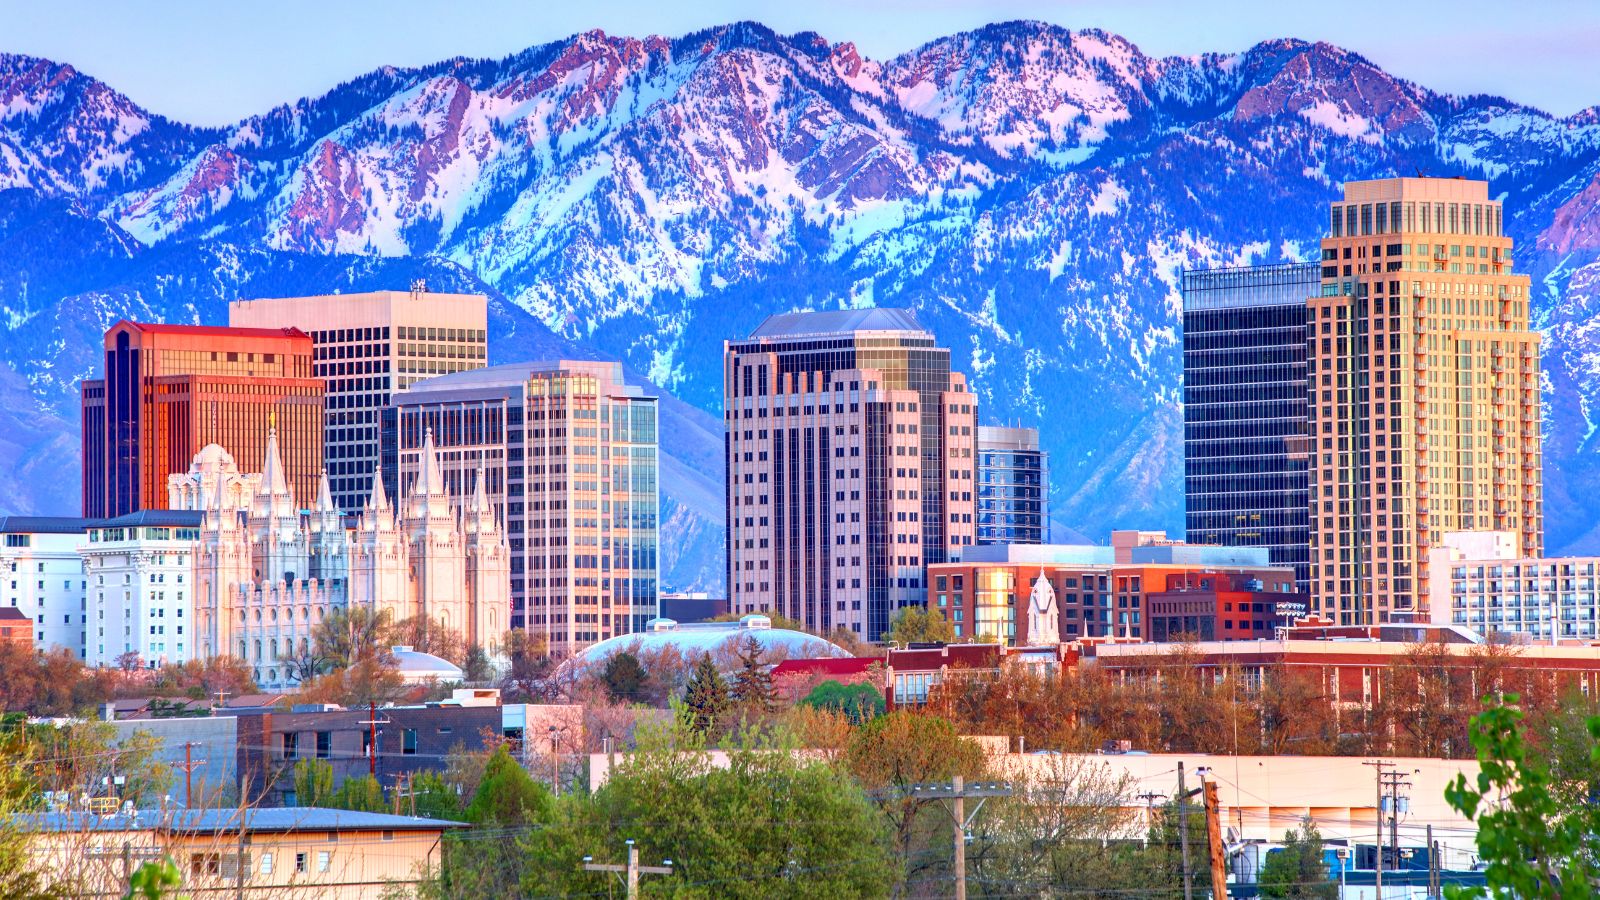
1245, 438
1013, 487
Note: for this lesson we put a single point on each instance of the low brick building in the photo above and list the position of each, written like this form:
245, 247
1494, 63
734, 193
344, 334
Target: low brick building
409, 739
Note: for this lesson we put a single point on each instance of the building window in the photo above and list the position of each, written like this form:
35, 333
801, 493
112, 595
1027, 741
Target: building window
291, 745
408, 741
324, 744
300, 862
266, 863
324, 860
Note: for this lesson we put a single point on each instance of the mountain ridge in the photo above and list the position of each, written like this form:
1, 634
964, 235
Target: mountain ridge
1033, 192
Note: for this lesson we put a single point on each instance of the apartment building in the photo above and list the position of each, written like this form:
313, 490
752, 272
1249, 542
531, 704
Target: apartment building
1424, 391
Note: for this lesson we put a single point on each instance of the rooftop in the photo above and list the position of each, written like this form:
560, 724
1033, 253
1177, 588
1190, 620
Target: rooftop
43, 524
212, 330
215, 821
835, 322
704, 637
160, 518
509, 375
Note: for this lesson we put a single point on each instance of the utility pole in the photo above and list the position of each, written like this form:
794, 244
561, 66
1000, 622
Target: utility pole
1219, 862
372, 724
1183, 835
631, 871
958, 791
1377, 816
1394, 781
188, 766
960, 850
1433, 865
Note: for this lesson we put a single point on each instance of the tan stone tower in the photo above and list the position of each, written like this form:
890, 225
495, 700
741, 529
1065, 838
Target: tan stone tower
1424, 392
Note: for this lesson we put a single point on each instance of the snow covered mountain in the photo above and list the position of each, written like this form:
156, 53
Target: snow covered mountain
1032, 191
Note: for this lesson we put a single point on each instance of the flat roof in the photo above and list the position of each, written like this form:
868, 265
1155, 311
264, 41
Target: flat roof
837, 321
508, 375
212, 330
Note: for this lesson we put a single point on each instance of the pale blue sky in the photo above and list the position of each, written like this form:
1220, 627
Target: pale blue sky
211, 63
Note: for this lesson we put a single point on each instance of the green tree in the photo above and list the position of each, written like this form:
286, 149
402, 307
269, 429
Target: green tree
1298, 871
360, 793
752, 689
478, 668
313, 782
624, 677
706, 696
918, 624
506, 794
768, 824
434, 798
350, 633
1536, 845
860, 702
892, 754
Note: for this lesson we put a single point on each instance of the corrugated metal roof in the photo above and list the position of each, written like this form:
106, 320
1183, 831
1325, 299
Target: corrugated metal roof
170, 518
210, 821
43, 525
836, 321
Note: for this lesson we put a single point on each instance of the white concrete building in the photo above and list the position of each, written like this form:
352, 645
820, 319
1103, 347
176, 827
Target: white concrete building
1478, 579
41, 574
140, 574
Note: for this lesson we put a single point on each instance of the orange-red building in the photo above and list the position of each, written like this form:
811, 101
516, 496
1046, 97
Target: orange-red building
170, 390
1104, 592
16, 629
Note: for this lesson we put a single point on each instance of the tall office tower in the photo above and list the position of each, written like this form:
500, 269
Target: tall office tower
1013, 495
565, 454
368, 346
849, 466
171, 389
1424, 392
1244, 410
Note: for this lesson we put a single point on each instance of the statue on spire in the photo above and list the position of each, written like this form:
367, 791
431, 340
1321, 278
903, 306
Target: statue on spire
1044, 617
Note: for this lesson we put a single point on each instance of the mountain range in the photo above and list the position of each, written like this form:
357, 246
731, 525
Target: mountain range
1032, 192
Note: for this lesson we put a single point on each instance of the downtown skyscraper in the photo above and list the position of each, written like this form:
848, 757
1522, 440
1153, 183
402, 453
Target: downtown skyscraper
1246, 482
849, 466
1423, 392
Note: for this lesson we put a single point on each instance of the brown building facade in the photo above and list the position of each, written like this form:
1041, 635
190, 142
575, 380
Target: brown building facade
850, 466
1424, 392
169, 390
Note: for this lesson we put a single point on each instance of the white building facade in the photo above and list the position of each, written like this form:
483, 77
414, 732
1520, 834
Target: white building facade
1477, 579
140, 574
41, 574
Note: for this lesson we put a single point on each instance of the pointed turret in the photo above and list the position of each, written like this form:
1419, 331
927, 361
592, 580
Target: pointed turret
273, 480
429, 498
325, 495
479, 517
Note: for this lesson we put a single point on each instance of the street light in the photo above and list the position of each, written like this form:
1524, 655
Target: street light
555, 767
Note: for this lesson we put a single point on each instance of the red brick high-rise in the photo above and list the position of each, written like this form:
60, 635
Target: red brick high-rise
170, 390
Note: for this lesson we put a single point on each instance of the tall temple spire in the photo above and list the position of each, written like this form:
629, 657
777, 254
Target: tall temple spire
273, 480
324, 494
378, 499
429, 495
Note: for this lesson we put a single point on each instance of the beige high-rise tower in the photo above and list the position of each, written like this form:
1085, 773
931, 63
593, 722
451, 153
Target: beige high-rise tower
1424, 392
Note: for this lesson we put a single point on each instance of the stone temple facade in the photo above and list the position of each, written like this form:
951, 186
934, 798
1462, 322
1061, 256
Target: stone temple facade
266, 571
